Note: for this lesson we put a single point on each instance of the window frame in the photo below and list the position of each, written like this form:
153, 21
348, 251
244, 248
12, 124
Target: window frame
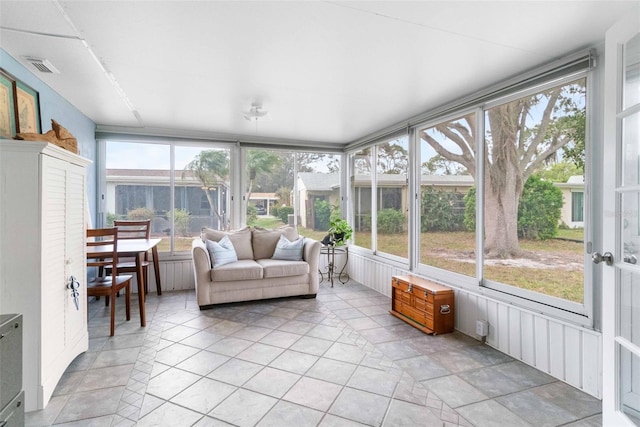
172, 254
576, 313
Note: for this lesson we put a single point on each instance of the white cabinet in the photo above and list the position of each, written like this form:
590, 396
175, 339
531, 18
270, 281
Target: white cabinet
42, 244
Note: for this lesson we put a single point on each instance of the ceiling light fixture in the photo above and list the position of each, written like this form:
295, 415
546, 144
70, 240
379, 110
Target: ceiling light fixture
256, 113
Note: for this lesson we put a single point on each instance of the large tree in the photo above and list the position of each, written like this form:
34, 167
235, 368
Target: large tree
521, 136
211, 168
392, 159
282, 174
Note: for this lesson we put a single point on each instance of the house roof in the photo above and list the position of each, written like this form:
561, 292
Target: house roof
318, 181
152, 177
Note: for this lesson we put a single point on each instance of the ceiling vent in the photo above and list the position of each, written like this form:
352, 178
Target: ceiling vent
42, 65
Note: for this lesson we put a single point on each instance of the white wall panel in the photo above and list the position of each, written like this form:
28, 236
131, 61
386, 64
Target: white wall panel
541, 340
174, 275
515, 333
556, 350
503, 328
573, 356
568, 352
528, 347
591, 378
492, 318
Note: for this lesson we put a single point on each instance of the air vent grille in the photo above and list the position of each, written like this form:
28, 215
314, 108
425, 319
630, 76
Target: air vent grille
42, 65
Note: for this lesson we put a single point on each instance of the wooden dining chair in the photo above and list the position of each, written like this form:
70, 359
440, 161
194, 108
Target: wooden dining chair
134, 230
102, 252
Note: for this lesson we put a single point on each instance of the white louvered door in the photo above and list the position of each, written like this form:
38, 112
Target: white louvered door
42, 243
63, 325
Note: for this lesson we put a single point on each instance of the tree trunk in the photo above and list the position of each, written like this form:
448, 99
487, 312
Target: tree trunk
503, 183
212, 208
501, 220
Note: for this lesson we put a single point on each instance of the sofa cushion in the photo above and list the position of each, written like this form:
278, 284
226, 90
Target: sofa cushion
221, 252
287, 250
265, 240
240, 238
280, 268
245, 269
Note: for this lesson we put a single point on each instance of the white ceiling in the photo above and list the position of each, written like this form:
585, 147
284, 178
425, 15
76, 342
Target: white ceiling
327, 71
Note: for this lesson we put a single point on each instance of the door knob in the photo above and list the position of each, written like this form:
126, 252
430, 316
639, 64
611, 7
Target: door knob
631, 259
607, 257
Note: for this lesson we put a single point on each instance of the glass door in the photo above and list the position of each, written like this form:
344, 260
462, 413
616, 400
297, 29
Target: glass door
621, 226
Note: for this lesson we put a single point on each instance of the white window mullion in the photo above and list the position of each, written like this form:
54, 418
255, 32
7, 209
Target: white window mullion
480, 155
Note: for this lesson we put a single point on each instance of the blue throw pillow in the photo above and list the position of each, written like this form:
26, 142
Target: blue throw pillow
221, 252
289, 251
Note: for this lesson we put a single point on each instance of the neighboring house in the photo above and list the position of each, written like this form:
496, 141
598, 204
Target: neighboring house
393, 188
129, 189
264, 200
573, 201
312, 187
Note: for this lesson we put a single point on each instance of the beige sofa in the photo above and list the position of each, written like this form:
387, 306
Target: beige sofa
255, 275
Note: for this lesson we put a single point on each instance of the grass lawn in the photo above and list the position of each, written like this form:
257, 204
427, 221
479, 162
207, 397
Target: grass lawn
551, 267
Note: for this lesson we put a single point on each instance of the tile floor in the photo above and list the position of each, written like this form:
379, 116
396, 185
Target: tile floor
337, 360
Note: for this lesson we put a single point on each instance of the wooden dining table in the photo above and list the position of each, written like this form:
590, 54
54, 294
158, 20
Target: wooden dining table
135, 248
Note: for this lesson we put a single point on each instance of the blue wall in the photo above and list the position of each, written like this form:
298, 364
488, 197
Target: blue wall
54, 106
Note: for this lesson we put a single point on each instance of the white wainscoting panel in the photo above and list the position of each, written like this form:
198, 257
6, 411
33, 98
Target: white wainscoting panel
174, 274
568, 352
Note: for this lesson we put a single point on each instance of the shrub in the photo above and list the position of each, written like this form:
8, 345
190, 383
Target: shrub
441, 210
138, 214
391, 221
539, 209
322, 211
180, 218
470, 209
283, 213
110, 218
252, 215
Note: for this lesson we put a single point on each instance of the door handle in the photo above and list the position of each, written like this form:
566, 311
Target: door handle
607, 257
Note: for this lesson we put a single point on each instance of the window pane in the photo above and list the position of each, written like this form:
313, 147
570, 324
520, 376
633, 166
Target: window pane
318, 200
272, 201
631, 147
631, 92
629, 388
447, 171
629, 303
535, 145
630, 232
268, 196
393, 204
577, 206
201, 197
137, 180
361, 196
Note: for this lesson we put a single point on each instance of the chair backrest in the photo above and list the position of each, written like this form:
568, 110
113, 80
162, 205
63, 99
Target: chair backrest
133, 229
102, 248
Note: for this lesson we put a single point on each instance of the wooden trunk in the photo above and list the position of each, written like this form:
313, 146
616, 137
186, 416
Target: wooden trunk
423, 304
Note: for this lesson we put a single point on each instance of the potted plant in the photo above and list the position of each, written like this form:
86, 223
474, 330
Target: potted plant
340, 231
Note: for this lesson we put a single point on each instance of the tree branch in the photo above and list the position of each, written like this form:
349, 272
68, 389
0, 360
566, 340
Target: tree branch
465, 160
